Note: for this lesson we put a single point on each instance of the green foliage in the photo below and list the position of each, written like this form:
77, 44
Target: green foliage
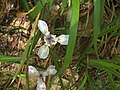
98, 16
86, 61
72, 35
4, 58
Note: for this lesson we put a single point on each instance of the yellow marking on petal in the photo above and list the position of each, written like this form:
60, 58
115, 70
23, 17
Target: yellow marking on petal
44, 31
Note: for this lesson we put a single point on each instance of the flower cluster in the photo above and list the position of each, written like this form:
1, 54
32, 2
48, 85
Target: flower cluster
49, 39
50, 71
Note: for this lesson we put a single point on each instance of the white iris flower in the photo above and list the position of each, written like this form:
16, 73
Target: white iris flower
49, 39
50, 71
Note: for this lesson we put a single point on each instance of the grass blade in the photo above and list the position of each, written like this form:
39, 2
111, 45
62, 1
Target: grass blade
64, 4
25, 54
98, 15
106, 31
84, 81
107, 68
37, 8
102, 63
25, 5
111, 81
73, 34
9, 59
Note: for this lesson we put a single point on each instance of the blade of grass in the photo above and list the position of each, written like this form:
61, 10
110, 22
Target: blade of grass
72, 35
106, 31
51, 2
25, 54
81, 85
115, 61
9, 59
100, 62
37, 8
113, 22
91, 83
112, 71
25, 5
111, 81
64, 4
98, 15
35, 40
106, 68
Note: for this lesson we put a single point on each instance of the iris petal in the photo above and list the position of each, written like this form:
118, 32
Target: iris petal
54, 42
63, 39
45, 74
50, 39
32, 70
41, 85
42, 25
51, 70
43, 51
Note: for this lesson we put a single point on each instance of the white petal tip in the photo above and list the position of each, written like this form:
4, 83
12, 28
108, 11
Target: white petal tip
42, 25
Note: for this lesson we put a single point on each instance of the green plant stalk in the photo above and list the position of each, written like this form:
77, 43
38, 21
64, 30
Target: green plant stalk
25, 54
27, 75
72, 35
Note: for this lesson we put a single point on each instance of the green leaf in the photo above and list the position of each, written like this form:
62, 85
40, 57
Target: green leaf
103, 63
9, 59
36, 9
81, 85
64, 4
98, 15
17, 28
112, 23
27, 53
107, 67
25, 5
111, 81
72, 35
106, 31
116, 73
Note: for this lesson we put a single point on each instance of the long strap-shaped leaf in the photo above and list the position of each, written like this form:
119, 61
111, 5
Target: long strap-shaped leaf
82, 83
98, 15
37, 8
4, 58
64, 4
73, 34
26, 52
